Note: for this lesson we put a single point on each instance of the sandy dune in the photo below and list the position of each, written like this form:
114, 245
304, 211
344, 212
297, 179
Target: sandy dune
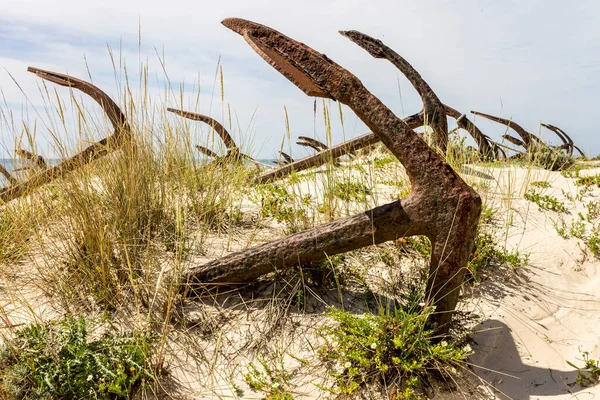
546, 313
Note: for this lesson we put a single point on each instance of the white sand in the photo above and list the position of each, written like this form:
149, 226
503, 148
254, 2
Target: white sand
543, 314
530, 321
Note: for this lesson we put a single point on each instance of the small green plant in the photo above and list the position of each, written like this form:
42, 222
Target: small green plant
485, 252
561, 228
593, 244
572, 172
548, 158
541, 184
592, 180
278, 202
351, 191
589, 374
58, 361
271, 381
545, 202
577, 229
593, 210
382, 162
395, 346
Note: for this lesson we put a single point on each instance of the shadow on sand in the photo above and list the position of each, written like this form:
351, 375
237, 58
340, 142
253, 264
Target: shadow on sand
497, 362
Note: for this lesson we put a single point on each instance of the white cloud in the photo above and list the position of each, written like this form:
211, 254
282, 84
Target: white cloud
531, 61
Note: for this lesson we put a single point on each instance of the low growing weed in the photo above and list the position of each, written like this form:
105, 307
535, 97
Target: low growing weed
59, 361
396, 347
593, 243
485, 252
272, 381
277, 201
592, 180
589, 374
545, 202
351, 191
541, 184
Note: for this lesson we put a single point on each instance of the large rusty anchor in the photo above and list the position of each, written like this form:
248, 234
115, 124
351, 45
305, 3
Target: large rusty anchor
441, 205
45, 174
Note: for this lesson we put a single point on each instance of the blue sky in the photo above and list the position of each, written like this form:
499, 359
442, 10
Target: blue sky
530, 61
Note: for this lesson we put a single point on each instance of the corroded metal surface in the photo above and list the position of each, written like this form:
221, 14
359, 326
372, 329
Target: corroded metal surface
568, 144
441, 205
120, 136
233, 154
528, 138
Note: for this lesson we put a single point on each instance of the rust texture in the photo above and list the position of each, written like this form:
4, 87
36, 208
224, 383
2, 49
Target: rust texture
441, 205
568, 144
286, 157
310, 142
528, 139
206, 151
514, 140
11, 179
233, 151
37, 160
433, 109
486, 149
220, 129
120, 136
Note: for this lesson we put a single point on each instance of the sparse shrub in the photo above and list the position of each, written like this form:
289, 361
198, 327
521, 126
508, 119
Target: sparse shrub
561, 228
589, 374
351, 191
593, 244
395, 346
272, 381
592, 180
549, 158
382, 162
593, 209
545, 202
277, 201
572, 172
541, 184
485, 253
59, 361
577, 229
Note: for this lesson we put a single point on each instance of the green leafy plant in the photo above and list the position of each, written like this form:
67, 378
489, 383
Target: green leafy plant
486, 252
395, 346
561, 228
277, 201
382, 162
548, 158
593, 244
541, 184
577, 229
545, 202
593, 210
58, 361
351, 191
572, 172
592, 180
270, 380
589, 374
